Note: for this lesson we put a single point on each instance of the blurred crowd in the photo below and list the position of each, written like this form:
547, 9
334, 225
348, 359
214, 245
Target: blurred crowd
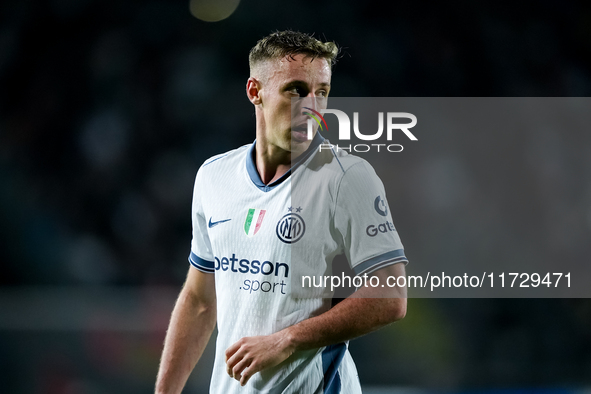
107, 110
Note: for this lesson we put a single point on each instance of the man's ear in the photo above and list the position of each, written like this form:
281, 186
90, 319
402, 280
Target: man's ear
253, 90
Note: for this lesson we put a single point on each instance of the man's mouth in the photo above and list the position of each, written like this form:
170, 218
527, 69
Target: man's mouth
299, 132
300, 128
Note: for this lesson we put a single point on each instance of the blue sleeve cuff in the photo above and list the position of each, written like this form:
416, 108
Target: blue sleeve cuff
202, 265
381, 261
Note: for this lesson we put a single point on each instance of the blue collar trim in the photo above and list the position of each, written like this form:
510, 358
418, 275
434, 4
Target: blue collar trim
254, 174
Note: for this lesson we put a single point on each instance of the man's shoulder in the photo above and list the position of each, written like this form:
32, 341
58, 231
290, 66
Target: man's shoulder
229, 158
224, 165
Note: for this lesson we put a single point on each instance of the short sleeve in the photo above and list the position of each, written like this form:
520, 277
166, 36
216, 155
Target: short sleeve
364, 221
201, 256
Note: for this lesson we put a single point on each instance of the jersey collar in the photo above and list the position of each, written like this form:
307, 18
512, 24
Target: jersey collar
254, 175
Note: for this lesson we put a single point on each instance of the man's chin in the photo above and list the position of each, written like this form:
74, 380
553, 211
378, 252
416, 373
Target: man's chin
298, 147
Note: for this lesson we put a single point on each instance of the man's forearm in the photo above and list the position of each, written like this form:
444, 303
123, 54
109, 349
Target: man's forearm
357, 315
190, 328
351, 318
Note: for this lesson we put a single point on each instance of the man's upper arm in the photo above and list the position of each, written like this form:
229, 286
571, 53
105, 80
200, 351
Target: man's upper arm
200, 286
364, 220
200, 280
388, 276
201, 256
389, 302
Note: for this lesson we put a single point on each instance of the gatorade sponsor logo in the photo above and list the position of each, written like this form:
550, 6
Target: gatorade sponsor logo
372, 230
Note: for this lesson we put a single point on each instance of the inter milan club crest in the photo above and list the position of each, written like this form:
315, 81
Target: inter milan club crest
254, 220
291, 227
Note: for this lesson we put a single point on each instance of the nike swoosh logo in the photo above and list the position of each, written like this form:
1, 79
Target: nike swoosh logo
213, 224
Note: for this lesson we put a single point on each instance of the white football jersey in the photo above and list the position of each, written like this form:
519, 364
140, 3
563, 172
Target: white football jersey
260, 239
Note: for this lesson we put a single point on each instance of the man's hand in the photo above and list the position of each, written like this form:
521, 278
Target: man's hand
253, 354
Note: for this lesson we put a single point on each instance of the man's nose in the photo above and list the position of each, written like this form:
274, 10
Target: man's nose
311, 101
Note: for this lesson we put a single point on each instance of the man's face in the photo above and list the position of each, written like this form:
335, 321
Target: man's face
300, 77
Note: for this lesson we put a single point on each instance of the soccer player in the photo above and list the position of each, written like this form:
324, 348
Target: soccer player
246, 226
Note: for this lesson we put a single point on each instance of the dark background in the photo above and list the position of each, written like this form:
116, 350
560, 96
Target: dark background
107, 110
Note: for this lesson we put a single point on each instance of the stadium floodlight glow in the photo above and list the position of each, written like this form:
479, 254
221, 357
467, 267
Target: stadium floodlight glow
213, 10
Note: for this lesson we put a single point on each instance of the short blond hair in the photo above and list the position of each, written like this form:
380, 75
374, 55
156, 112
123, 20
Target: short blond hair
280, 44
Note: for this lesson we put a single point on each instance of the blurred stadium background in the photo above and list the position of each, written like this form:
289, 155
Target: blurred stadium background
108, 108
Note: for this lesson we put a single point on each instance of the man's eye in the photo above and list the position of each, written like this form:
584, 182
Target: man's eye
323, 93
298, 92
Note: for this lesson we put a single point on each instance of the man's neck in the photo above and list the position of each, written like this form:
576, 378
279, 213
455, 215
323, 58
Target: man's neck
271, 162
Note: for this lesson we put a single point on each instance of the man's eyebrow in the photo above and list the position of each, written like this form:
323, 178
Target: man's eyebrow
298, 82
